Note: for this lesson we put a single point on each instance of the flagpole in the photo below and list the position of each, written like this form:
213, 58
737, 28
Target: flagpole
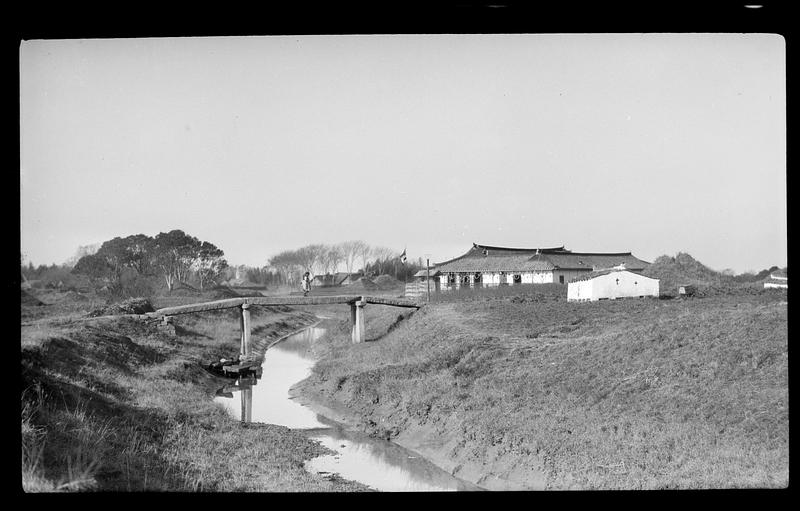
405, 276
428, 277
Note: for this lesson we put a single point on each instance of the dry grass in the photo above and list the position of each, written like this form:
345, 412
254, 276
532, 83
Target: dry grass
114, 404
635, 394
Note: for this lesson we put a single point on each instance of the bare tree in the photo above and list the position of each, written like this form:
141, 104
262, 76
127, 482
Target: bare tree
334, 257
364, 251
323, 262
349, 251
382, 256
308, 257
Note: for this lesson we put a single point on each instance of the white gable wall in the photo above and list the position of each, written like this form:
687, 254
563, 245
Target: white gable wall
580, 290
619, 284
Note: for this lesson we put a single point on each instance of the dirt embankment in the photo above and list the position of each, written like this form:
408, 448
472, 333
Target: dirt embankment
630, 394
414, 425
115, 403
434, 443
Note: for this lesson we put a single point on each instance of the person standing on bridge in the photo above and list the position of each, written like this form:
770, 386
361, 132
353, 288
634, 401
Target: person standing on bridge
306, 283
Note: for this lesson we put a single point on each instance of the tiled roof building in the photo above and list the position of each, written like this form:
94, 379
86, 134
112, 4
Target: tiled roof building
490, 265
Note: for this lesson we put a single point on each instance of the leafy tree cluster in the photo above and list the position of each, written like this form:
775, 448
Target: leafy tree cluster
173, 256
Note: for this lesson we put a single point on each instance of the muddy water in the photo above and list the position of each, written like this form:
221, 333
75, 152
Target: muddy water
380, 464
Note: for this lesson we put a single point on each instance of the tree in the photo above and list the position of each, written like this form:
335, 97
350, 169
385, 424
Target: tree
382, 256
309, 256
364, 251
334, 258
286, 263
258, 276
114, 252
94, 266
349, 251
134, 252
208, 262
139, 253
174, 252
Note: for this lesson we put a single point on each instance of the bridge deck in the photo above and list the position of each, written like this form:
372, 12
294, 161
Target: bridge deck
282, 300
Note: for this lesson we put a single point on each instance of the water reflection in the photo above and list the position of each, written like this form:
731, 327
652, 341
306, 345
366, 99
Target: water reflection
380, 464
377, 463
284, 364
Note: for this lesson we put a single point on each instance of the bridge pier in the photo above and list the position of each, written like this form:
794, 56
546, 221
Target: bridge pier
357, 320
247, 404
244, 322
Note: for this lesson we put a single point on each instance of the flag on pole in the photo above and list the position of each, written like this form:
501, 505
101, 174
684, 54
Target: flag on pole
403, 257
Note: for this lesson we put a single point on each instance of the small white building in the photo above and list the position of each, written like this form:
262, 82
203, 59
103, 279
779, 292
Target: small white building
778, 279
611, 284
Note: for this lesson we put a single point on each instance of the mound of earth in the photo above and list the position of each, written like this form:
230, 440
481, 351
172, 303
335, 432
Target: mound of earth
183, 289
363, 284
74, 296
683, 269
130, 306
223, 292
248, 292
387, 282
28, 299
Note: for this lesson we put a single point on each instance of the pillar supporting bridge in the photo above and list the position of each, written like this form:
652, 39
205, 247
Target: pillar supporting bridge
356, 302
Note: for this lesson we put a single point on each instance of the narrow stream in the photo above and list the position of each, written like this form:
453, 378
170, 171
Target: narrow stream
380, 464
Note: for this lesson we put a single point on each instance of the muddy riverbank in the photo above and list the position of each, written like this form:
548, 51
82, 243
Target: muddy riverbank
427, 441
379, 464
529, 395
115, 403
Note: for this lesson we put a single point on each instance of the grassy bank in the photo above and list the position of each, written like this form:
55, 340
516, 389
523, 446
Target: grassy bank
116, 404
536, 392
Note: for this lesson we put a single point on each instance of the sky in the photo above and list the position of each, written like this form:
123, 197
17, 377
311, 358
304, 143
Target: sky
649, 143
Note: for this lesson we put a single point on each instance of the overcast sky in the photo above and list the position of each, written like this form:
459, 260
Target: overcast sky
650, 143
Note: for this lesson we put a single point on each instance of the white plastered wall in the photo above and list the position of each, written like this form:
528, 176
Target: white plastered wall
620, 284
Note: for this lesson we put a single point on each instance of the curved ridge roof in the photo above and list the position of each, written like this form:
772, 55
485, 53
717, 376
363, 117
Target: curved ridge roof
490, 258
478, 249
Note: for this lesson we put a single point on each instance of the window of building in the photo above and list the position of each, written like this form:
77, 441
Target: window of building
517, 279
560, 279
